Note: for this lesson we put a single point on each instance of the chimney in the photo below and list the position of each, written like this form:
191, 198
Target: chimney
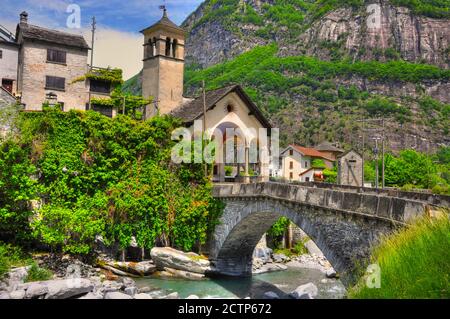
24, 18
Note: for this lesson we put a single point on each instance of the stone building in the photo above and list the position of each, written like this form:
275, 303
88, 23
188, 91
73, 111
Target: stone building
226, 108
350, 169
49, 61
9, 56
332, 151
297, 164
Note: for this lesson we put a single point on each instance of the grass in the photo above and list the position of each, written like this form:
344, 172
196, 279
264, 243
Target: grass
38, 274
414, 262
12, 256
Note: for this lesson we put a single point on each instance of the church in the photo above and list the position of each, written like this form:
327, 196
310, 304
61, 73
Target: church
226, 108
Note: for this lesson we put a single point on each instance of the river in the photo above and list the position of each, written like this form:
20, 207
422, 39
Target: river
281, 283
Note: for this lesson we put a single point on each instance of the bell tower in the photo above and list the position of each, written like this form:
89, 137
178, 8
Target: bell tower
163, 70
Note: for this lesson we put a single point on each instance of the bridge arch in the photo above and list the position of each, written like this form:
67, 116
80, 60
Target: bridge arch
343, 239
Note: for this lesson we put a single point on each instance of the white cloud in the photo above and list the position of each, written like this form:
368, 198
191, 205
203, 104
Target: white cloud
117, 49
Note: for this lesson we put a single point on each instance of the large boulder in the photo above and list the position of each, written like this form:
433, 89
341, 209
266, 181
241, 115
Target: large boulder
175, 273
144, 268
174, 259
35, 290
308, 291
58, 289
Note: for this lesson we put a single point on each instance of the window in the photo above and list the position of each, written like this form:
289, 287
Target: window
61, 105
168, 46
105, 110
291, 165
291, 152
55, 83
174, 48
291, 176
7, 85
100, 86
1, 54
306, 164
56, 56
307, 179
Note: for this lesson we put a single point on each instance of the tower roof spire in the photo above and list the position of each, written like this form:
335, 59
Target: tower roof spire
164, 21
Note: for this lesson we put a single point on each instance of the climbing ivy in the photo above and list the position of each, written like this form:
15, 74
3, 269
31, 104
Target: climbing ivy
98, 176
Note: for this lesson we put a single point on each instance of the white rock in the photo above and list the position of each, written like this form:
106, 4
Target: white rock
173, 295
17, 294
92, 296
193, 297
117, 295
331, 273
36, 290
170, 258
308, 291
68, 288
143, 296
270, 295
131, 291
4, 296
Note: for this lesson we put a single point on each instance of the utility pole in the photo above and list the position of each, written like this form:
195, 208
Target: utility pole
377, 162
204, 125
94, 27
383, 184
362, 153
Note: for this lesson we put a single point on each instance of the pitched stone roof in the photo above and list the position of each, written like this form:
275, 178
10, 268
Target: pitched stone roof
328, 147
193, 110
33, 32
165, 21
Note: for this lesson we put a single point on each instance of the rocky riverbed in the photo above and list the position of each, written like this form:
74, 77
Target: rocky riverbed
110, 279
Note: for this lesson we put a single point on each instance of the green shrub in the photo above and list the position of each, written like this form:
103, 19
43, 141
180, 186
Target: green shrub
12, 256
414, 263
38, 274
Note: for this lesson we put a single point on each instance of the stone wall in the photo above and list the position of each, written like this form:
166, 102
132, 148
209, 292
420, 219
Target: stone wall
350, 169
34, 69
8, 63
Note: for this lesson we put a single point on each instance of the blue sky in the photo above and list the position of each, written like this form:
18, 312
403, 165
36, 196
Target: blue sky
119, 43
125, 15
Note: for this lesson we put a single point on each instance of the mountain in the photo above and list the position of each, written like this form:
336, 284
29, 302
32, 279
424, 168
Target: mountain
315, 67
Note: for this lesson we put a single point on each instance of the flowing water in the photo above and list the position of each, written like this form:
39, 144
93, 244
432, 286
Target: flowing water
281, 283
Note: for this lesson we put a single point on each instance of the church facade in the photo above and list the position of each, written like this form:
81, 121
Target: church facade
228, 108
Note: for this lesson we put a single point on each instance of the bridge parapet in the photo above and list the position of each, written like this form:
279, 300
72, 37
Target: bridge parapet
381, 206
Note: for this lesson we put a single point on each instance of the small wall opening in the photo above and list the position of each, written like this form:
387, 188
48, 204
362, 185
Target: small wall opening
168, 46
174, 48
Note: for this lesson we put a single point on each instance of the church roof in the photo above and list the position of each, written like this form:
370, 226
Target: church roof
165, 21
193, 110
33, 32
328, 147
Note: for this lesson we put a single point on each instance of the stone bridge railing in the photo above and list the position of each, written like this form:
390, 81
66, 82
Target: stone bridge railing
424, 196
399, 210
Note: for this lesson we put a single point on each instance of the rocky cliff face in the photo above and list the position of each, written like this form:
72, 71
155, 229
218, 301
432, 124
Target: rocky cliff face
353, 32
414, 38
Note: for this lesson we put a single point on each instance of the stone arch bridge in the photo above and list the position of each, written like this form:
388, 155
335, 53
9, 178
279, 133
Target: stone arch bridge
344, 222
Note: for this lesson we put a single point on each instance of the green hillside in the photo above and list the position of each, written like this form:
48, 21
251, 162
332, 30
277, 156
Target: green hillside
282, 86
